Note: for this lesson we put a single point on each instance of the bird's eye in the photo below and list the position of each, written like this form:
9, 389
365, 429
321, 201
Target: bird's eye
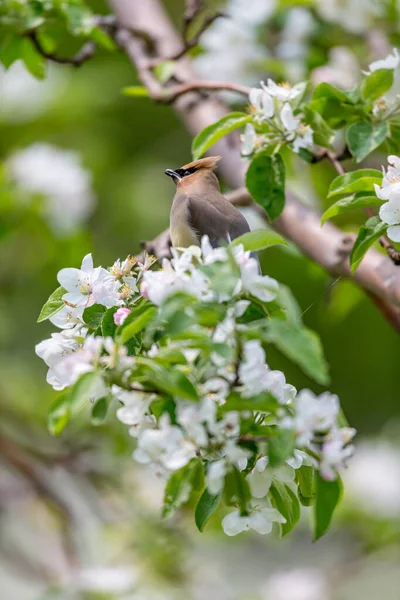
186, 173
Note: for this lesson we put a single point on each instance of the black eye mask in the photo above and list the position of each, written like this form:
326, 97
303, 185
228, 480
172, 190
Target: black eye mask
184, 172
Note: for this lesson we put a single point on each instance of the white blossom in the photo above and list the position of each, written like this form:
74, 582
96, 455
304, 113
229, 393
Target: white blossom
69, 369
262, 476
54, 350
159, 285
283, 91
88, 285
248, 140
135, 406
336, 449
253, 368
216, 475
263, 104
391, 179
68, 317
313, 414
276, 385
165, 446
390, 214
390, 62
259, 520
59, 177
300, 134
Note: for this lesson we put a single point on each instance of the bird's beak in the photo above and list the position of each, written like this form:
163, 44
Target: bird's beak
173, 174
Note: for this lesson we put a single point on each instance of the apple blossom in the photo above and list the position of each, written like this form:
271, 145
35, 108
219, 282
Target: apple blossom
389, 213
120, 315
261, 520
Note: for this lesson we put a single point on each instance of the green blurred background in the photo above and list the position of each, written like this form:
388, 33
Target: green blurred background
78, 502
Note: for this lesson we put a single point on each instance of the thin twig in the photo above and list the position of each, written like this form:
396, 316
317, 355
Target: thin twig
188, 44
84, 54
192, 9
169, 95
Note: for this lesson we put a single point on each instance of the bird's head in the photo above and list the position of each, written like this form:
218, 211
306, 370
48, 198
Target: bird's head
194, 172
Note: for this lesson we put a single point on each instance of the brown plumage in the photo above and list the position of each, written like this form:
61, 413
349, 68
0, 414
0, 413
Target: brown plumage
200, 209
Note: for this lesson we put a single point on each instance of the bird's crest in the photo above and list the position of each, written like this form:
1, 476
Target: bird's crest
210, 162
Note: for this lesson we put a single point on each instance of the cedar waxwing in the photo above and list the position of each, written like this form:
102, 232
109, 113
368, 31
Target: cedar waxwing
200, 209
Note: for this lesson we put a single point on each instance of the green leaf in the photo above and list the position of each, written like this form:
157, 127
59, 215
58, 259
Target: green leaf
102, 39
79, 18
108, 327
58, 415
323, 135
99, 411
87, 386
53, 304
376, 84
359, 200
306, 481
138, 91
164, 70
211, 134
93, 315
11, 49
140, 323
258, 239
169, 380
237, 491
335, 106
368, 234
178, 384
287, 503
280, 446
178, 487
264, 402
134, 345
363, 137
265, 181
33, 60
301, 345
206, 505
326, 90
328, 495
362, 180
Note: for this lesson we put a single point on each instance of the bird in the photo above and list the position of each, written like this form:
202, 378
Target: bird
200, 209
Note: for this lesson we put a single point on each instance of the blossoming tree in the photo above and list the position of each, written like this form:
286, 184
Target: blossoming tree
180, 345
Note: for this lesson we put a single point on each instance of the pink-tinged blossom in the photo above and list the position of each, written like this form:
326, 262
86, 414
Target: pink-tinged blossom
120, 315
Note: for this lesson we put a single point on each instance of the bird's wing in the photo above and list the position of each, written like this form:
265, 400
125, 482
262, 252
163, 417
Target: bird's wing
205, 219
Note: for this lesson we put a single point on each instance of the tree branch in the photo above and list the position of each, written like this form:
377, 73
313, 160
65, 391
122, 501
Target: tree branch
327, 245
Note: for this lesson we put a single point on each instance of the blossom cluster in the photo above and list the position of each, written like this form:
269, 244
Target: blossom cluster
275, 122
181, 351
389, 191
59, 179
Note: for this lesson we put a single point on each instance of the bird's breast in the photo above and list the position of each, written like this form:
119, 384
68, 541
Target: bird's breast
182, 235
